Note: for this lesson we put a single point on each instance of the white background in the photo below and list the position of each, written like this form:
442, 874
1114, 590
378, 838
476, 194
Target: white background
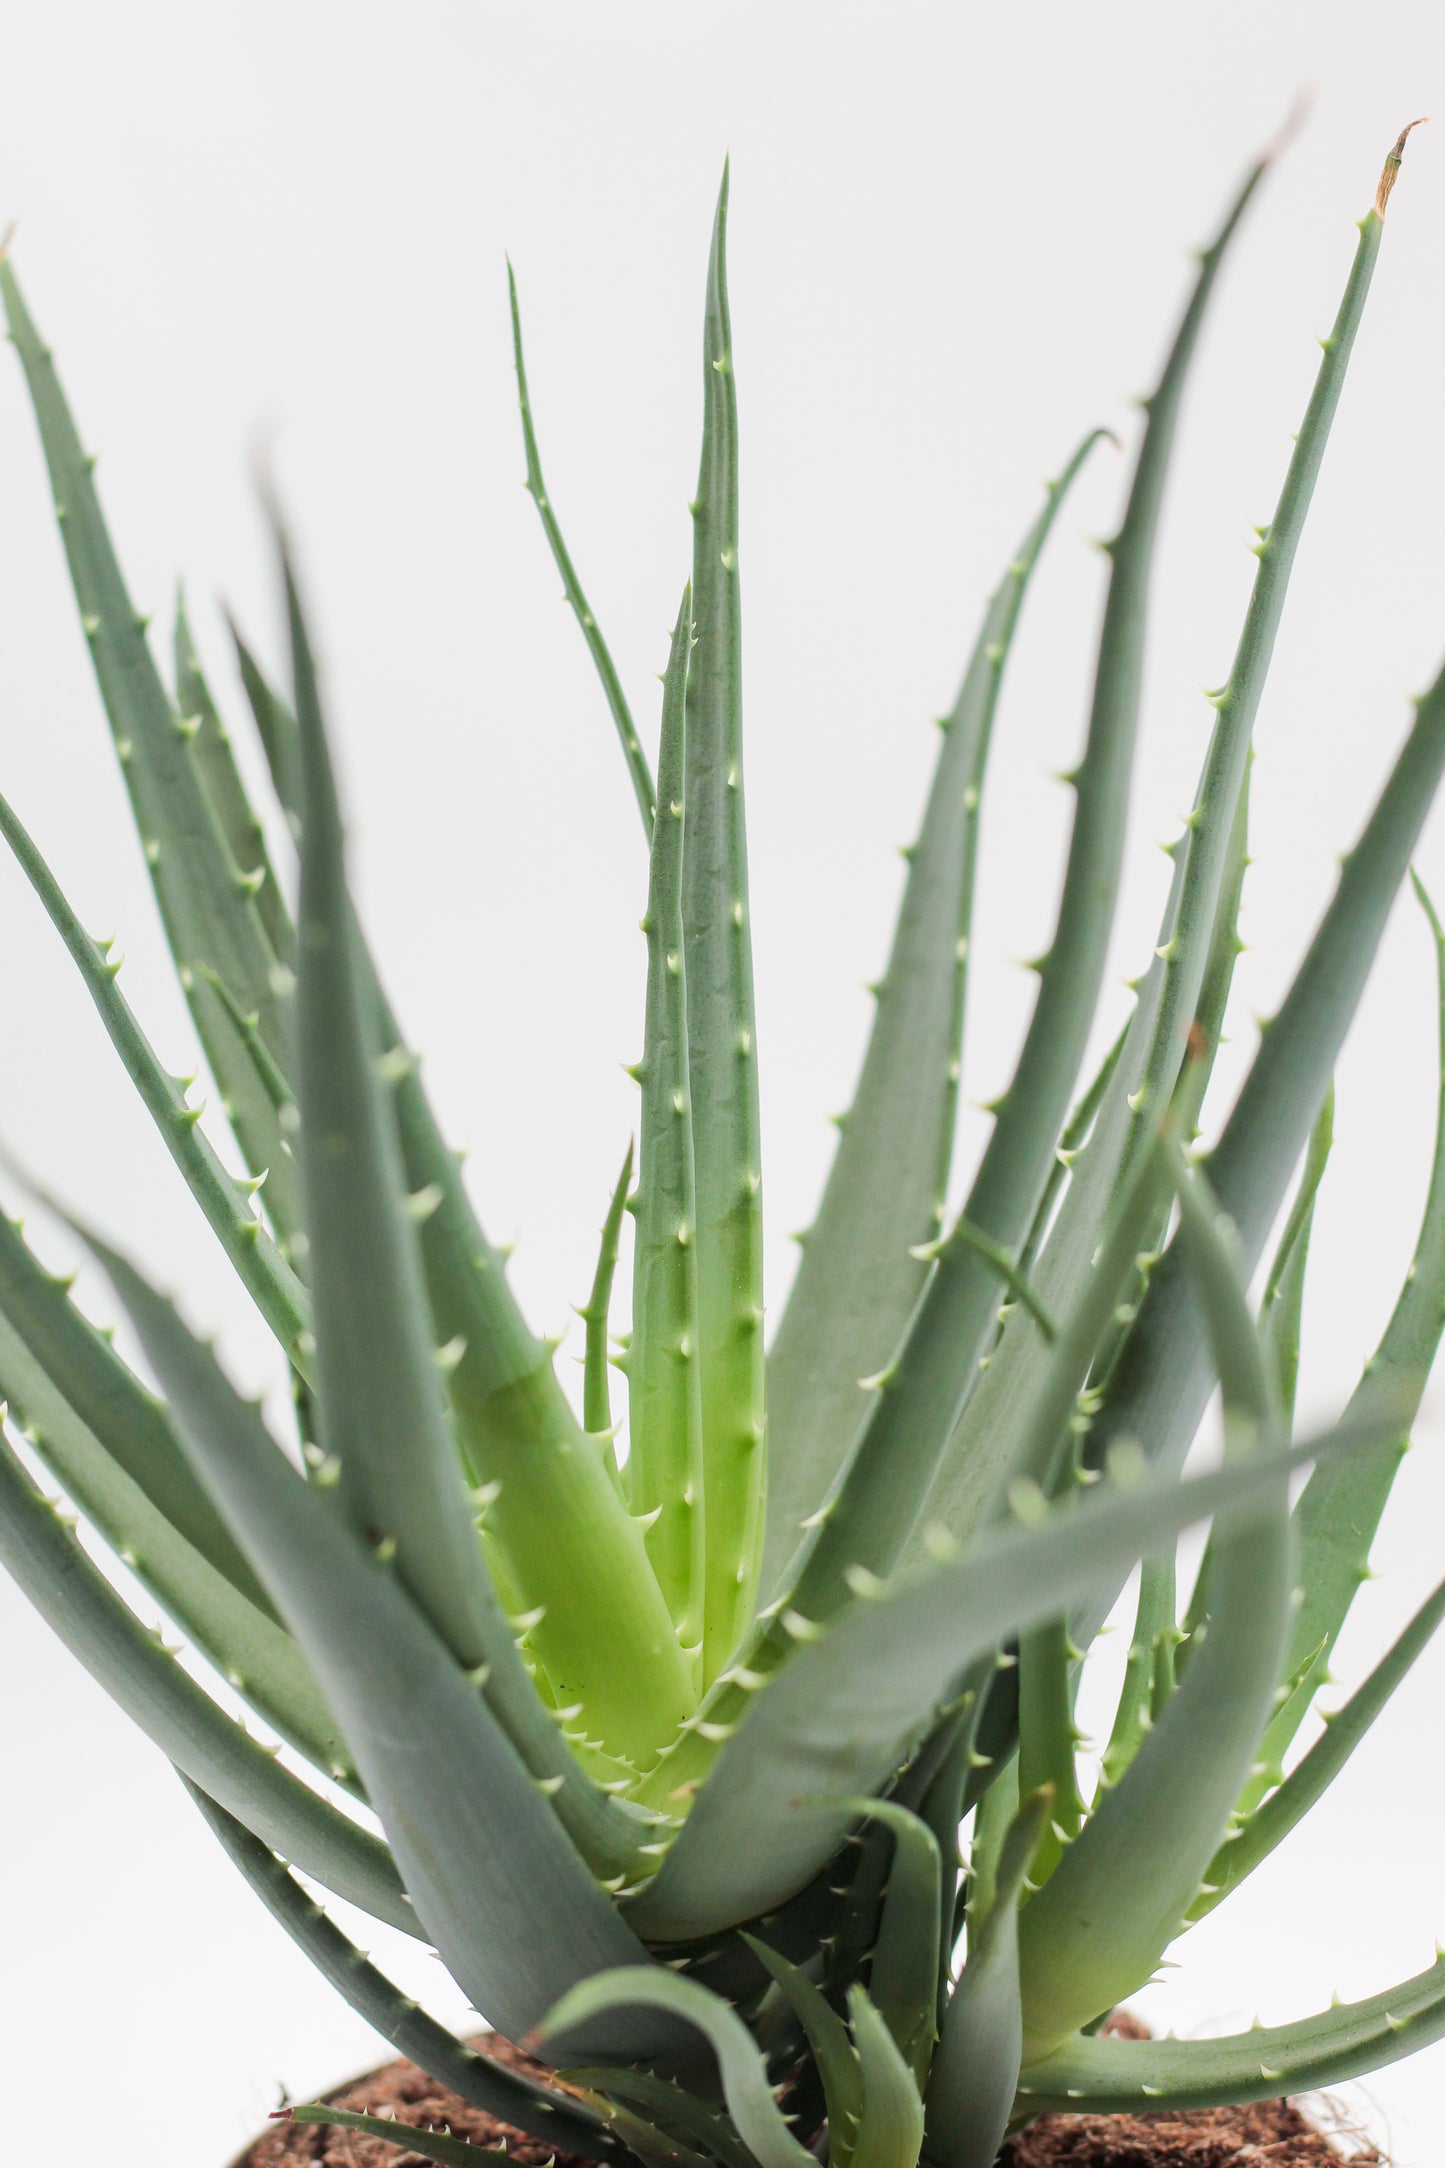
958, 239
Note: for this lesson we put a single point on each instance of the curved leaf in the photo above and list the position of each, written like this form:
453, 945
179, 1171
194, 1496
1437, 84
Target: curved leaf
572, 587
976, 2066
744, 2075
1110, 2076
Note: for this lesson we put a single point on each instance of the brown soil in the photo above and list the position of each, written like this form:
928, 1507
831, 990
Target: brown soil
1269, 2134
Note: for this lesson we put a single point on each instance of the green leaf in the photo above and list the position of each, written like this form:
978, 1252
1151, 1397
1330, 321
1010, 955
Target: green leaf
382, 1402
153, 1689
897, 1454
205, 899
1176, 990
402, 2023
604, 1638
1118, 1896
1335, 1519
744, 2075
672, 2114
1258, 1834
903, 1976
80, 1364
666, 1477
837, 1720
275, 726
857, 1278
229, 799
832, 2050
251, 1651
406, 2137
596, 1387
226, 1203
890, 2129
1283, 1301
572, 587
722, 1034
976, 2066
1155, 1630
1162, 1381
1110, 2076
509, 1904
1048, 1737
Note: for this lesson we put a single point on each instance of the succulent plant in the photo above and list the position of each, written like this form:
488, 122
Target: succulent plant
663, 1731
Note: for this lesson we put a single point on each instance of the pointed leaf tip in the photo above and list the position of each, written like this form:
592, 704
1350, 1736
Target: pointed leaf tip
1389, 172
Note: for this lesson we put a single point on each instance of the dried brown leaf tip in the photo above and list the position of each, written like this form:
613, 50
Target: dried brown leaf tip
1392, 166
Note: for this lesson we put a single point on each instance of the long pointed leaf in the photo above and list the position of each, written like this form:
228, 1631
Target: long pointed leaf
905, 1435
857, 1279
838, 1718
605, 1636
1335, 1520
1174, 992
976, 2066
596, 1387
903, 1977
230, 802
832, 2050
106, 1396
744, 2075
1108, 2076
666, 1477
502, 2092
1139, 1857
1162, 1381
507, 1901
437, 2145
205, 900
147, 1682
382, 1401
597, 647
722, 1035
226, 1203
252, 1652
890, 2128
1307, 1782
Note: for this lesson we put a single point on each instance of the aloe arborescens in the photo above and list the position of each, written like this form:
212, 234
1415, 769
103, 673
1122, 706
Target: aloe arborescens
663, 1730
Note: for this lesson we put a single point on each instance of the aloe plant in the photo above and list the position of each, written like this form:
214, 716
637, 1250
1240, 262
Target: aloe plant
663, 1726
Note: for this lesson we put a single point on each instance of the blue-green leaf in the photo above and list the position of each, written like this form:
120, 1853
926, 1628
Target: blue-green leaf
722, 1034
744, 2074
153, 1689
838, 1718
666, 1478
206, 901
581, 609
509, 1904
976, 2065
1110, 2076
858, 1278
402, 2023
